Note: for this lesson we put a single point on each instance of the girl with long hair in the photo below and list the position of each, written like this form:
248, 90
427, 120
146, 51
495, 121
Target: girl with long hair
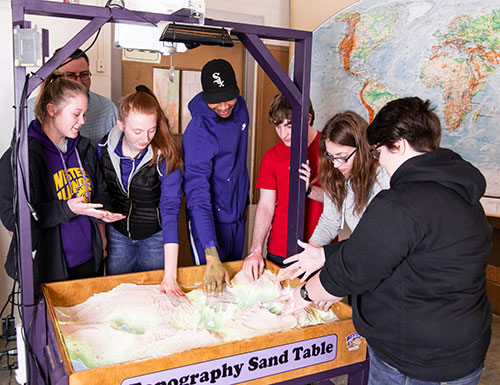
67, 188
142, 166
350, 176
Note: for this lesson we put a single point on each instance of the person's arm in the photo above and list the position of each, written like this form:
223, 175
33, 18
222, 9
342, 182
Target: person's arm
169, 283
254, 262
385, 236
199, 148
315, 292
99, 200
328, 225
170, 202
316, 192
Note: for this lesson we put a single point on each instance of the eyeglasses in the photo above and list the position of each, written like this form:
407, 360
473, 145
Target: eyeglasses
375, 151
85, 75
339, 159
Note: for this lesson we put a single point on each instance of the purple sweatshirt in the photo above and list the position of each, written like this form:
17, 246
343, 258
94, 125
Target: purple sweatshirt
70, 181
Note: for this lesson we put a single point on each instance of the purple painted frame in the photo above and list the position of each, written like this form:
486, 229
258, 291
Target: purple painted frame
296, 91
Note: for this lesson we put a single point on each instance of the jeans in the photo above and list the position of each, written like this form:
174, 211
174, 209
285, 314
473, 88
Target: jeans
127, 255
383, 374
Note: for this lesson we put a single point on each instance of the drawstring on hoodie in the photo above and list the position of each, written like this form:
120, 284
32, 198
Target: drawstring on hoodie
82, 171
158, 164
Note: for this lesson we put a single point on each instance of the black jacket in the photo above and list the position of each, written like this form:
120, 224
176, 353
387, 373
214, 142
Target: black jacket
50, 262
416, 266
141, 204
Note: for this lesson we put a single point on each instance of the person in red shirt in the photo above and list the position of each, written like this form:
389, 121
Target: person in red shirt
273, 181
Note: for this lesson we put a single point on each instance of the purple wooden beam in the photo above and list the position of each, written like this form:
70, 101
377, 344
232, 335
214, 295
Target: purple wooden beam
298, 95
300, 114
270, 66
23, 214
65, 52
88, 12
265, 32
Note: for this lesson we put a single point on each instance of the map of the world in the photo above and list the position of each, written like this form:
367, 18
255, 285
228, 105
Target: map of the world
444, 51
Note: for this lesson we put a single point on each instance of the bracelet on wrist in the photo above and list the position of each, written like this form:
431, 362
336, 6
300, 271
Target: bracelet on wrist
309, 189
305, 294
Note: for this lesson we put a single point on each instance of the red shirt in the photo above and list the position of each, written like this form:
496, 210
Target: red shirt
274, 174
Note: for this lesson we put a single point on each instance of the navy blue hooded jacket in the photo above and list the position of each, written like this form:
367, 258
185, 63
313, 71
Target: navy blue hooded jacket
216, 179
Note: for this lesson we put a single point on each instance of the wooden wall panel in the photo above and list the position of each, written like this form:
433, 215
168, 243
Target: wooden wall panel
134, 73
265, 133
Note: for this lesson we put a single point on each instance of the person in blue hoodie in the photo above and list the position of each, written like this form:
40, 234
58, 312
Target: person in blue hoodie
66, 185
416, 262
216, 179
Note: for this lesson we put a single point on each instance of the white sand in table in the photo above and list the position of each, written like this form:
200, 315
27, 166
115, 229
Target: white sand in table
132, 322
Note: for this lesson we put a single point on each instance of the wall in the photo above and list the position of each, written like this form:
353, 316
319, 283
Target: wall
308, 15
271, 12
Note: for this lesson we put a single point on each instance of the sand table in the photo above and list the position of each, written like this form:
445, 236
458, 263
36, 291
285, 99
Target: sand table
134, 322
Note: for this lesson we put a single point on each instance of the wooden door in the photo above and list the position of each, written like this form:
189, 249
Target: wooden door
265, 133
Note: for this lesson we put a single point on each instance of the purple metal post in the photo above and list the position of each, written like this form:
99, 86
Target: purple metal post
300, 114
23, 214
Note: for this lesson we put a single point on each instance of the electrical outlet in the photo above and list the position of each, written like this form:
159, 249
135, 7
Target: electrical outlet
8, 327
100, 65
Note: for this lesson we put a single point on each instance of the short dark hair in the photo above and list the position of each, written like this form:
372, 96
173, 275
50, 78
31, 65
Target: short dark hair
406, 118
281, 109
75, 55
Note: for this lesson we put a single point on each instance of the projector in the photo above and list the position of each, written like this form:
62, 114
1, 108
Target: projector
147, 37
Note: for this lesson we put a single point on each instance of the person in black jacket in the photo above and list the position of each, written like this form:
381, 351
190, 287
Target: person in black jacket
67, 189
142, 167
416, 262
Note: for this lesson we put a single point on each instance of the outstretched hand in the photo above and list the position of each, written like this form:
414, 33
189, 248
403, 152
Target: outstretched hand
307, 262
77, 206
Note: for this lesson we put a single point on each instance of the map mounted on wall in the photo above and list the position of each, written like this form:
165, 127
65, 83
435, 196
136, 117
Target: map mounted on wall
447, 52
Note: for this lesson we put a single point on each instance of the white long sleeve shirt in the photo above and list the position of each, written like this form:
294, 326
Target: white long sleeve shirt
332, 220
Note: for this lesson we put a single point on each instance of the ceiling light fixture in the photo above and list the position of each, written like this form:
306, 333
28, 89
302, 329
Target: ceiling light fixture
193, 35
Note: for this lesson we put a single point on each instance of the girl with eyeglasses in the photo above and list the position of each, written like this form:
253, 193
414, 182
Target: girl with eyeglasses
350, 177
416, 263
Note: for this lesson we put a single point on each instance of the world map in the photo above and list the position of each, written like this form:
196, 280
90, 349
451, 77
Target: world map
444, 51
